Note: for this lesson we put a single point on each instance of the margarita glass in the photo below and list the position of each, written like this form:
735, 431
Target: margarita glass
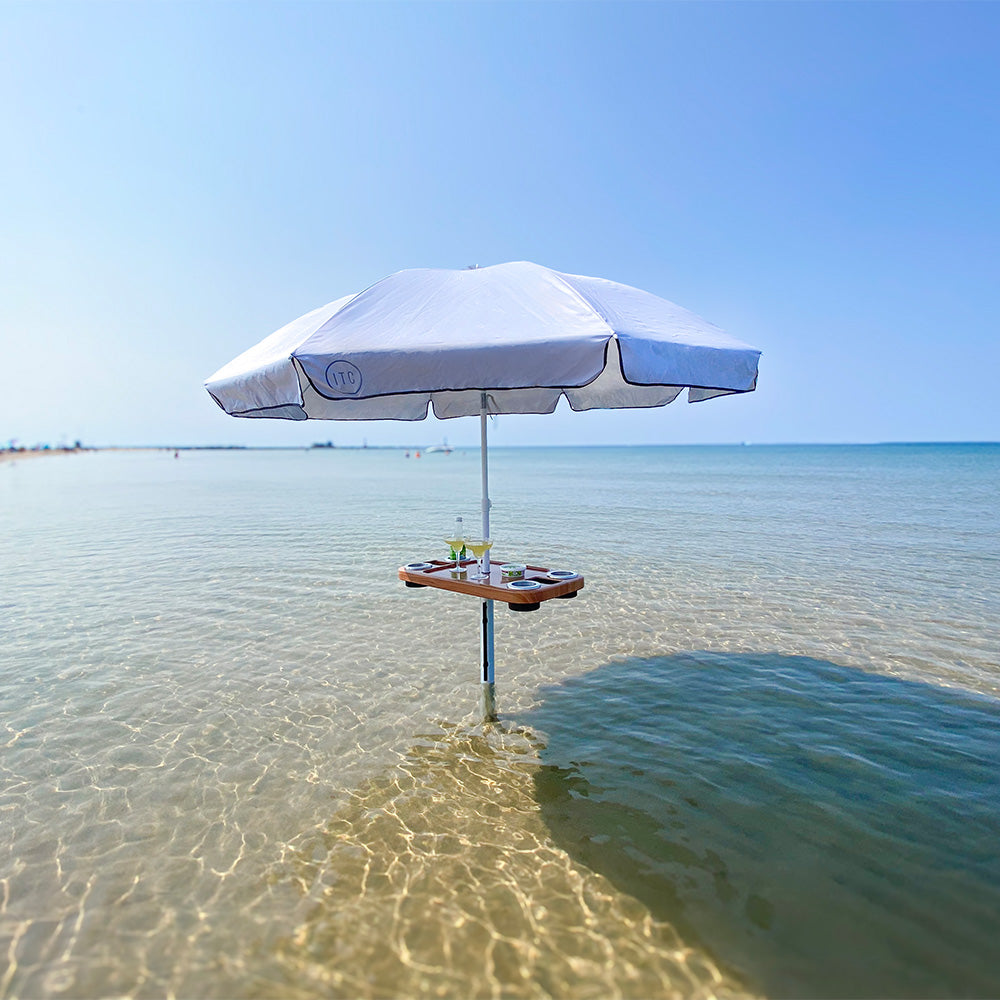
455, 540
480, 546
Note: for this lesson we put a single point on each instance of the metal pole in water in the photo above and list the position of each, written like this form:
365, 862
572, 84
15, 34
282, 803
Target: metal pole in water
489, 704
489, 696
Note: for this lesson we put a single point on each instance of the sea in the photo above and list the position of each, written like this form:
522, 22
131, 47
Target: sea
758, 756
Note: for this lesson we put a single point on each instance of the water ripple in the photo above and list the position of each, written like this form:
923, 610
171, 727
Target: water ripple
213, 779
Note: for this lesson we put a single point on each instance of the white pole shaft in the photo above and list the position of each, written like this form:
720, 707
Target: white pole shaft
485, 472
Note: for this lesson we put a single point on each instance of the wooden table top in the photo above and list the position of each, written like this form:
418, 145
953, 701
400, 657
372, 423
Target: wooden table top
440, 575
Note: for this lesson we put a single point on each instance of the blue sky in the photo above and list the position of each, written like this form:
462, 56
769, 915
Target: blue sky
819, 179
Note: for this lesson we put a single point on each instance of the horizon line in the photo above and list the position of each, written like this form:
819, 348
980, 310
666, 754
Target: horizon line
326, 446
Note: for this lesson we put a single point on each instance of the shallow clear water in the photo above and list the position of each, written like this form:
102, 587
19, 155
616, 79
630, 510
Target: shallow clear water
757, 756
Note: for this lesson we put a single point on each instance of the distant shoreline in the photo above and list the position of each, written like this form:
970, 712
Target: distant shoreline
8, 455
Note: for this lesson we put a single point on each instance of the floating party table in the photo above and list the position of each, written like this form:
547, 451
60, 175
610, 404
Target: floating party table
527, 594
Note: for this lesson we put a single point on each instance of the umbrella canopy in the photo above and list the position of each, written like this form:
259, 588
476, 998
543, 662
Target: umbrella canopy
524, 334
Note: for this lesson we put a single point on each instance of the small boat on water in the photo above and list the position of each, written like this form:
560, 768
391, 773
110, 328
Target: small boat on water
441, 449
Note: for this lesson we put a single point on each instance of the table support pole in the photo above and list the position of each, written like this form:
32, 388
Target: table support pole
489, 703
489, 700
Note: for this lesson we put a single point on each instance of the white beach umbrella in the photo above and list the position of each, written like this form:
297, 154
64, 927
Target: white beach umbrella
512, 338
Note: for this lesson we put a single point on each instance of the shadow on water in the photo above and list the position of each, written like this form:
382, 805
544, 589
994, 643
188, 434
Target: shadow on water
821, 831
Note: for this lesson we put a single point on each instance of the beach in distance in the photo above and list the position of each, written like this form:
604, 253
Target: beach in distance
756, 756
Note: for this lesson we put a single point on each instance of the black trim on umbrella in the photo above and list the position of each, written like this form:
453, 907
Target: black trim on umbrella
216, 398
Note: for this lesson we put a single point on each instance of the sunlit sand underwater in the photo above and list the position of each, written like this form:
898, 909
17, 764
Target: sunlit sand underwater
755, 757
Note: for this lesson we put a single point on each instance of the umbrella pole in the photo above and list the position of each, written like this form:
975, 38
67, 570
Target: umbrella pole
488, 700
